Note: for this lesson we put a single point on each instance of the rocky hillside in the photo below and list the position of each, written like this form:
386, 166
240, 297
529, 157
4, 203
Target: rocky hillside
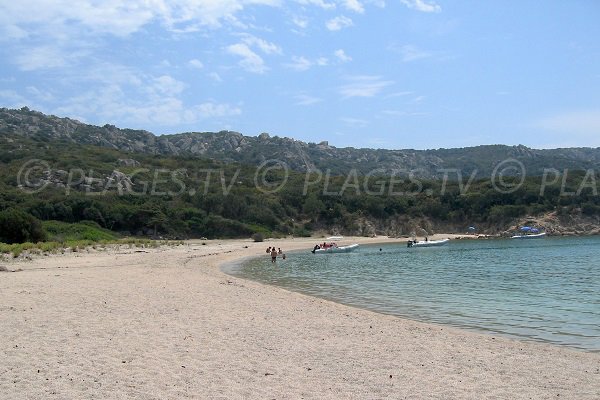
24, 124
572, 223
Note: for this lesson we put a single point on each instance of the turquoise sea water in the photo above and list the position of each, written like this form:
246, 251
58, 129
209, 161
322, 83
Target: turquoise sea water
544, 289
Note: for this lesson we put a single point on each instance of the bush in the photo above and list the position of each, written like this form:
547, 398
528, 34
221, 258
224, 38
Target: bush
590, 209
84, 230
17, 226
217, 226
258, 237
301, 232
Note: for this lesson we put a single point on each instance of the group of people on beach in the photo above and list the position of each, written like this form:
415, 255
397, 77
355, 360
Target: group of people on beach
275, 252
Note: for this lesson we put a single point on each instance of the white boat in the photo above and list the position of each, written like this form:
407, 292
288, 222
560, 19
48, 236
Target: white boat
335, 238
428, 243
334, 248
530, 236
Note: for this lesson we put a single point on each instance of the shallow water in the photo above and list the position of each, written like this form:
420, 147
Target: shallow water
544, 289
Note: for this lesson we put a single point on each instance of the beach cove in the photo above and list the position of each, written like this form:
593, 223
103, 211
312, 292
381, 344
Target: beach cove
168, 323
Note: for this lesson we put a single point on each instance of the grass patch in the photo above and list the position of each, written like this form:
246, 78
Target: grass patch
81, 231
79, 245
79, 237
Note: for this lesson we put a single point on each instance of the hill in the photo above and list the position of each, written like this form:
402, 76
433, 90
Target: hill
133, 183
227, 146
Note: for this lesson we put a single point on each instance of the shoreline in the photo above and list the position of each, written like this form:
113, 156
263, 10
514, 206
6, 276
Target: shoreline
229, 268
169, 323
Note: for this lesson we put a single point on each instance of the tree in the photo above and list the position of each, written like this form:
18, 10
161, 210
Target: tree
313, 206
157, 219
151, 215
17, 226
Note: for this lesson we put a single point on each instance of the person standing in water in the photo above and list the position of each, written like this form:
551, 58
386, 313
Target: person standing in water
273, 255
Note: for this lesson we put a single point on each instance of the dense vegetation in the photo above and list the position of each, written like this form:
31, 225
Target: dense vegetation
110, 193
17, 226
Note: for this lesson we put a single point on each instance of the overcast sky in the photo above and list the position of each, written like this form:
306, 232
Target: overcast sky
362, 73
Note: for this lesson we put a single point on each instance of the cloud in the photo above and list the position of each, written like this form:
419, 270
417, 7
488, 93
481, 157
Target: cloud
584, 124
13, 32
54, 17
166, 85
412, 53
215, 77
12, 99
341, 56
42, 57
319, 3
355, 122
191, 15
118, 104
418, 100
300, 63
250, 61
213, 110
354, 5
399, 113
421, 5
399, 94
196, 64
41, 95
53, 33
262, 45
338, 23
306, 100
121, 18
116, 94
300, 22
364, 86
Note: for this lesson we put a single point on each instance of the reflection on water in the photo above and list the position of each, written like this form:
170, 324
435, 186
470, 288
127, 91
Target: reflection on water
545, 289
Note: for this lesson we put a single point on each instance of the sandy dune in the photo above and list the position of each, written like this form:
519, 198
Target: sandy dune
167, 324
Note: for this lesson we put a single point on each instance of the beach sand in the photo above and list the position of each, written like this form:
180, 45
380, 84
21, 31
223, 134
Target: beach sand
166, 323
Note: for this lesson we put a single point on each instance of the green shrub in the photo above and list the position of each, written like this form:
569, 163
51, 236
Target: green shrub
301, 232
5, 248
49, 247
17, 250
85, 230
17, 226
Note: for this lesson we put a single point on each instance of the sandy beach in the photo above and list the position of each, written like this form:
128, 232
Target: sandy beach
166, 323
